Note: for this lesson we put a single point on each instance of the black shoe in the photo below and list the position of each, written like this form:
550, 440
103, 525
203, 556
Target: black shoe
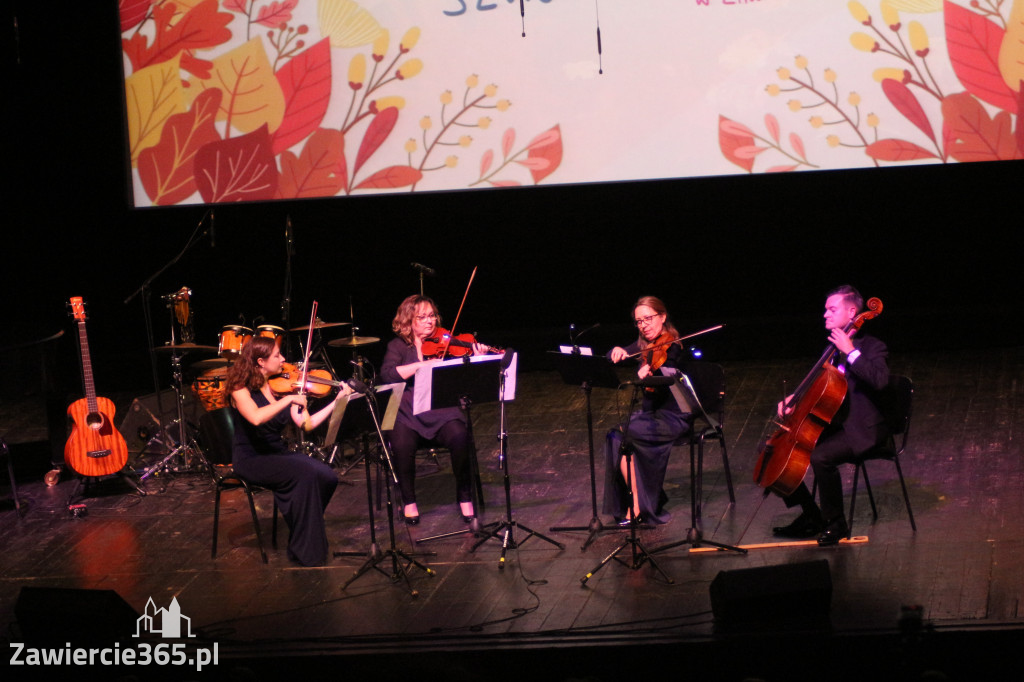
833, 533
807, 525
624, 523
412, 520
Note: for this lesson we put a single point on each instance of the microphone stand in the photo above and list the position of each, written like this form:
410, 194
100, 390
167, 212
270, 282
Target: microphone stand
286, 299
144, 289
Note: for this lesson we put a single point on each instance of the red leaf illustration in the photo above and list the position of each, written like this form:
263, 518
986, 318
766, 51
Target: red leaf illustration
748, 151
546, 146
166, 169
485, 162
798, 145
978, 137
973, 43
772, 124
132, 12
201, 27
276, 13
507, 140
733, 136
378, 130
537, 164
907, 104
897, 150
238, 169
391, 177
306, 83
320, 171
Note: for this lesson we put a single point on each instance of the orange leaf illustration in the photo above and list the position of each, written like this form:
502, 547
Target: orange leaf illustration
546, 146
166, 169
320, 171
306, 86
252, 94
199, 28
237, 169
978, 137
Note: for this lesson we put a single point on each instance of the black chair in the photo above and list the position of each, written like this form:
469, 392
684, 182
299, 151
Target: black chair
216, 435
898, 400
708, 381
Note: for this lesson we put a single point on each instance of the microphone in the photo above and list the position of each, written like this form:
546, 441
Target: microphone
358, 386
423, 269
650, 382
213, 230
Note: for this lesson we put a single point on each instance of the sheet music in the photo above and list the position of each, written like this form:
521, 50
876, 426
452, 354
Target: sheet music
568, 350
387, 420
423, 389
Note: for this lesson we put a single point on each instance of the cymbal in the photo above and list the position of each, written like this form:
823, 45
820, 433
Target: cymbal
353, 341
319, 324
186, 347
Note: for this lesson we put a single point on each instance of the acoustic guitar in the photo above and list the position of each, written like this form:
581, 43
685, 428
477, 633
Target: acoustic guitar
95, 447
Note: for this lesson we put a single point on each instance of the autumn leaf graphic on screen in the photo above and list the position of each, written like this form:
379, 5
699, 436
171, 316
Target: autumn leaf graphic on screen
232, 101
985, 44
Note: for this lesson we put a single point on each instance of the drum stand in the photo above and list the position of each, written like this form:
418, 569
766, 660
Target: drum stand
187, 447
376, 556
639, 552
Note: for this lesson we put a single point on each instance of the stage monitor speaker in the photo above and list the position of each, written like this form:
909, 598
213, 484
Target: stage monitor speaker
60, 615
150, 424
794, 593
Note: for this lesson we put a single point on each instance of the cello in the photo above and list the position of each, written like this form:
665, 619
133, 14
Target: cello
785, 456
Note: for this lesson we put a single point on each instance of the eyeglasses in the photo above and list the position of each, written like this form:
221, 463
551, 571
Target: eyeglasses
641, 321
424, 318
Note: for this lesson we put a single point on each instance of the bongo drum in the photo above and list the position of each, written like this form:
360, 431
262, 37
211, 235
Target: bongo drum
232, 338
210, 388
271, 332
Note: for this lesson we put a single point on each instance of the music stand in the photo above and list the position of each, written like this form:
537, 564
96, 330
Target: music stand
361, 421
577, 366
694, 534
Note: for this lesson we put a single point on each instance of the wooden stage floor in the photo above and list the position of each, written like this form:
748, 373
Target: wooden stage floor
961, 573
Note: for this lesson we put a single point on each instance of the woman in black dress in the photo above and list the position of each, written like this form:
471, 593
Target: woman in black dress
416, 320
302, 485
653, 430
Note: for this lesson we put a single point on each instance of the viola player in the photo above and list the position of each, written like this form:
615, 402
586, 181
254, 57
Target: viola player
302, 485
417, 321
650, 432
857, 426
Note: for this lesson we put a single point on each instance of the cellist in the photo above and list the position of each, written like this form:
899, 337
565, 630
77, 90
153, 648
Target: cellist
857, 426
651, 431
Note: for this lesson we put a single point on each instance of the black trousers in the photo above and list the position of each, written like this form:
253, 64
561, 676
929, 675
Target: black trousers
454, 435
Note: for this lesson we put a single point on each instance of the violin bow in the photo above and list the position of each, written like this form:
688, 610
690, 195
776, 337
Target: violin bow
681, 338
444, 353
305, 361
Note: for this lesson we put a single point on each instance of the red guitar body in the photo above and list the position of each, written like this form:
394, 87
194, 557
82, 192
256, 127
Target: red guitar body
95, 447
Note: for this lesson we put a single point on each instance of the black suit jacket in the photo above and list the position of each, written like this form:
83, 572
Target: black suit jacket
859, 419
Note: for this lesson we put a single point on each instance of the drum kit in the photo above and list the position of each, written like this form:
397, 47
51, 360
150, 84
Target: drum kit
209, 383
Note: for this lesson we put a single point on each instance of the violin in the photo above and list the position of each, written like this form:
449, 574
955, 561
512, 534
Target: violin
656, 354
442, 344
785, 457
319, 382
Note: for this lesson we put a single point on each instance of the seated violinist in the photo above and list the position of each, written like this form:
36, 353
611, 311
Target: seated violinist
416, 322
302, 485
650, 432
857, 426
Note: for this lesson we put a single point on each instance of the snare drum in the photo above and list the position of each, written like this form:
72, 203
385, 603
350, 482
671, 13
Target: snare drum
210, 388
271, 332
232, 338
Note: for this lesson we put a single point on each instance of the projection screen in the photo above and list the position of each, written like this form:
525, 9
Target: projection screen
256, 100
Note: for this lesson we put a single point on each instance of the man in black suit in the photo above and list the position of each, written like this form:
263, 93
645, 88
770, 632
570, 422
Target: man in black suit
857, 426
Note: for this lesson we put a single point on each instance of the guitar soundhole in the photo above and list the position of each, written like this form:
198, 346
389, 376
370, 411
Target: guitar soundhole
94, 420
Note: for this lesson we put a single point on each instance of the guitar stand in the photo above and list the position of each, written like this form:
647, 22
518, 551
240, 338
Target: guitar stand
375, 556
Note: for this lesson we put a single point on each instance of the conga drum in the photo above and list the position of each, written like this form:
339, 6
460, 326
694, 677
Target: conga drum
271, 331
232, 338
210, 388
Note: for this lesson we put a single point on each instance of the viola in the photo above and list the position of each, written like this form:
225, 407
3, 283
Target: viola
319, 382
785, 456
442, 344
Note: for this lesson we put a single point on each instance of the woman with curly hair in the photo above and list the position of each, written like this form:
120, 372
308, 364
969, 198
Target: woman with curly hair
302, 485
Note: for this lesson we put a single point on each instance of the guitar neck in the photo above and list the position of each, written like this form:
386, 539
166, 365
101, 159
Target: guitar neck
87, 380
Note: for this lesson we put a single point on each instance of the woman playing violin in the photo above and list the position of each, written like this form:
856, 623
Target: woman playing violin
416, 325
302, 485
651, 432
